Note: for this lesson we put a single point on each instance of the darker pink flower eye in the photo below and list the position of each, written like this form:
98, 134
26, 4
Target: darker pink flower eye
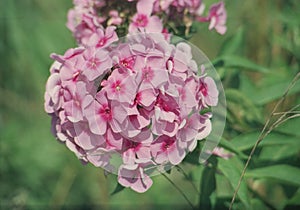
75, 76
141, 20
93, 63
101, 42
203, 89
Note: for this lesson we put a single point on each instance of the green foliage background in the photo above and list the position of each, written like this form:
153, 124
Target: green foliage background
256, 59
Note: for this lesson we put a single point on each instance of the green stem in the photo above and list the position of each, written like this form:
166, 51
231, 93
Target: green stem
187, 177
180, 191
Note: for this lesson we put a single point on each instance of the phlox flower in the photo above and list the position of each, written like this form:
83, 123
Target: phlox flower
102, 38
136, 152
133, 176
208, 92
75, 106
97, 63
165, 149
85, 138
101, 114
217, 17
120, 87
143, 21
54, 94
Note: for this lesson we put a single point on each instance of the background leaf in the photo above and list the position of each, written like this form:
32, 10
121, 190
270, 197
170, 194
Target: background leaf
285, 173
242, 63
232, 173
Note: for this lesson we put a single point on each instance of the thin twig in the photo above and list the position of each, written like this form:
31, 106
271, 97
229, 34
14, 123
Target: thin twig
179, 190
262, 135
293, 112
286, 119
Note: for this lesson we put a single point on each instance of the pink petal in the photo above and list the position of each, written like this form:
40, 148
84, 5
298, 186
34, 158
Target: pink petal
145, 7
154, 25
175, 154
129, 157
147, 97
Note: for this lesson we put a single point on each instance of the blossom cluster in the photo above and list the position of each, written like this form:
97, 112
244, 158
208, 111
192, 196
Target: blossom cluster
151, 16
142, 99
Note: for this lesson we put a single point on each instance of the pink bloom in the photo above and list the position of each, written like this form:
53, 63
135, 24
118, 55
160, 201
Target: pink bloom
208, 92
80, 99
54, 94
101, 115
180, 63
120, 87
146, 96
97, 63
100, 157
217, 18
85, 138
74, 18
192, 129
220, 152
149, 74
165, 149
143, 21
133, 176
165, 120
113, 140
189, 128
86, 28
123, 57
101, 38
135, 152
187, 92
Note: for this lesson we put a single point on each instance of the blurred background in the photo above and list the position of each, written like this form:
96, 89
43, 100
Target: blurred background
256, 59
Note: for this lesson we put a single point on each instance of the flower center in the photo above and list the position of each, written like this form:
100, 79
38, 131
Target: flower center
203, 89
105, 113
148, 74
101, 42
75, 76
141, 20
167, 144
93, 63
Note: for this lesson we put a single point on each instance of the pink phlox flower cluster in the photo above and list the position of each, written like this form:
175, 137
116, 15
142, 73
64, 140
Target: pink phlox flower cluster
140, 100
217, 18
150, 16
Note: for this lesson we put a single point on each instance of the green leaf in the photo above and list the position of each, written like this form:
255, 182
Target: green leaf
118, 189
208, 186
247, 141
233, 44
295, 200
282, 152
232, 173
290, 127
270, 93
241, 111
239, 62
284, 173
